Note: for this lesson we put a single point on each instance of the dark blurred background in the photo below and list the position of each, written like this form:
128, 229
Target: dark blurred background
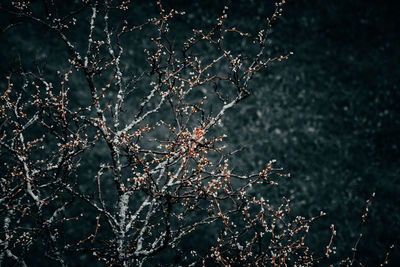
329, 114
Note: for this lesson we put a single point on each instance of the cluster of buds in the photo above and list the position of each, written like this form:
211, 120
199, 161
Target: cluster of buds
118, 167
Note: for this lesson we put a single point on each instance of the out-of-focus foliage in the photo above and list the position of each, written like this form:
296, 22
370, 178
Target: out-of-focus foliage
331, 115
